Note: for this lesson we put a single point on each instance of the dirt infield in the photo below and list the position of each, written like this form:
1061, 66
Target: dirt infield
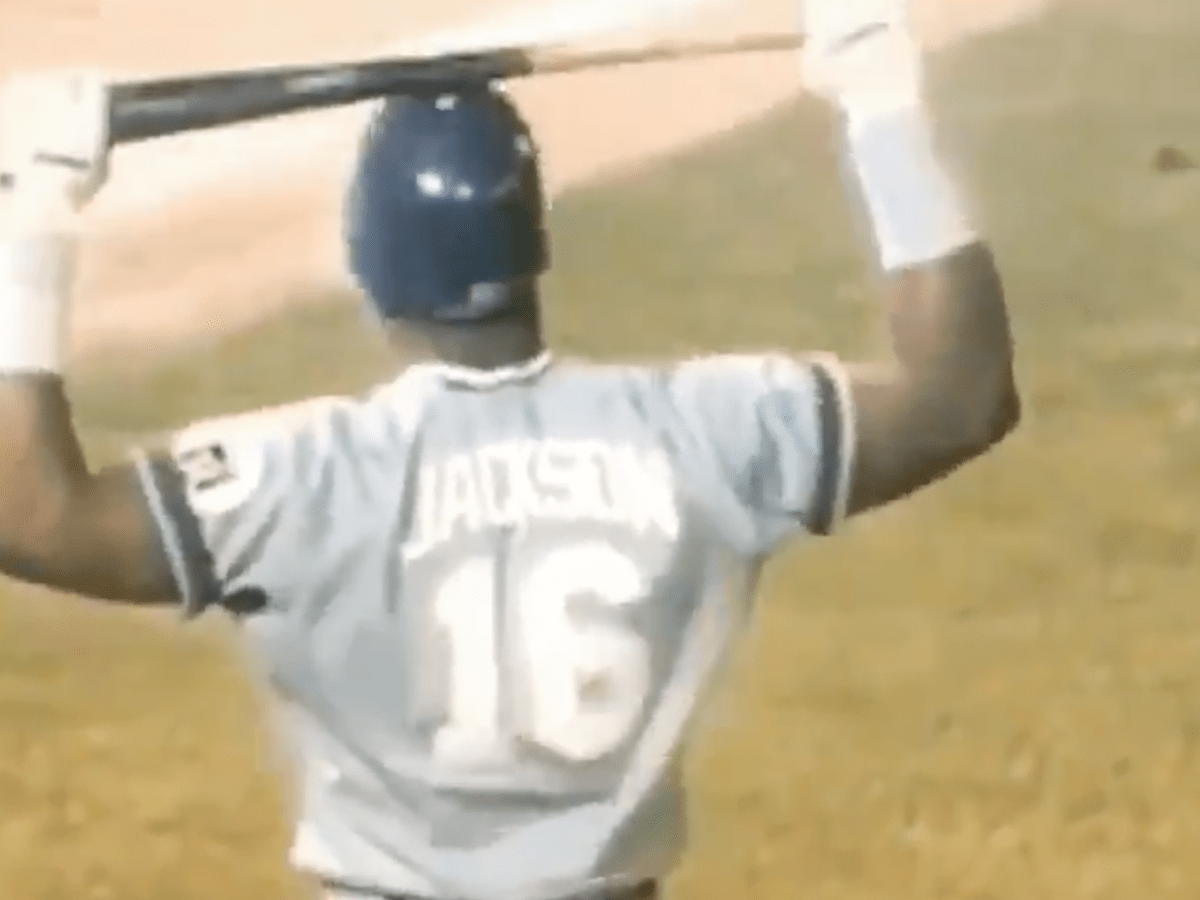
192, 256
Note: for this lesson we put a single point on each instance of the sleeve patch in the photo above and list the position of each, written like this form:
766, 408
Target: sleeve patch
219, 474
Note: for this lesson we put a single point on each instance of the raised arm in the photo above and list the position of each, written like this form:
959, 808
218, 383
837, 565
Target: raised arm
947, 393
145, 532
61, 524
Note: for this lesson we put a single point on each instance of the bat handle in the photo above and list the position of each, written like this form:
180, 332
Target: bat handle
160, 107
137, 115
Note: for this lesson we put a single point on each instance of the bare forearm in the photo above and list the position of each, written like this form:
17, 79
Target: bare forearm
42, 467
947, 392
61, 525
949, 324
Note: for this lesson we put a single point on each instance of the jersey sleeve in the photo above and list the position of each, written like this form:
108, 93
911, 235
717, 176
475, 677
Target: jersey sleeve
228, 498
779, 431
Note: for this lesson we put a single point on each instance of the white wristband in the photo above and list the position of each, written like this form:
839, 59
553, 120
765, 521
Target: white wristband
36, 279
915, 210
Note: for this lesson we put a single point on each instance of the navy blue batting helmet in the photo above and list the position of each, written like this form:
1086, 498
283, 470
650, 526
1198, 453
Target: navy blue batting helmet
444, 220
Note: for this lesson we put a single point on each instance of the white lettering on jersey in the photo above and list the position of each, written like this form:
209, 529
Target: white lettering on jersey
513, 483
580, 681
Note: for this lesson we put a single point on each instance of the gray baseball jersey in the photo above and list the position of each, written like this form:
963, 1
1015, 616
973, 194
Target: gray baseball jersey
488, 605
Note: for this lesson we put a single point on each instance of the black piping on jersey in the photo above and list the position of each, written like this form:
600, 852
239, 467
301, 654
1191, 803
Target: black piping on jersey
183, 542
829, 415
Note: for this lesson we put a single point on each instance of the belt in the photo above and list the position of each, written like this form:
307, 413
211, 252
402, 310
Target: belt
642, 890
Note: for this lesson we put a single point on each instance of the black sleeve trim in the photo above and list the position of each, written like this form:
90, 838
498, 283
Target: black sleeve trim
824, 512
179, 528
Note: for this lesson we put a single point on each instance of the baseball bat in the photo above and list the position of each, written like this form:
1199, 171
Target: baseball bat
160, 107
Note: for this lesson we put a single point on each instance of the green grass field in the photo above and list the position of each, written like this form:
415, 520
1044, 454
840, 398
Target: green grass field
988, 692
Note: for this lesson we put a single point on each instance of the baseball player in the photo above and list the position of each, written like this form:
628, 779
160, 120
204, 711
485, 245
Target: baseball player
490, 596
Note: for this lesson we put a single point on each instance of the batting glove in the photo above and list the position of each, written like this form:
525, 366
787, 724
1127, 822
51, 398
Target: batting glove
862, 56
53, 146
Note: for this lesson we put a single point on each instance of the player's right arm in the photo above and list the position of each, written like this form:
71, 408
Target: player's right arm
228, 507
947, 393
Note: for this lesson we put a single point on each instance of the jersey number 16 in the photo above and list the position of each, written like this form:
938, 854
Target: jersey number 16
586, 682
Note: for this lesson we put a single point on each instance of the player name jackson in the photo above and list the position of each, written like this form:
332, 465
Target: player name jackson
513, 484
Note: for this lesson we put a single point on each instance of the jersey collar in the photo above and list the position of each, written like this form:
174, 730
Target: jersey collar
483, 379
